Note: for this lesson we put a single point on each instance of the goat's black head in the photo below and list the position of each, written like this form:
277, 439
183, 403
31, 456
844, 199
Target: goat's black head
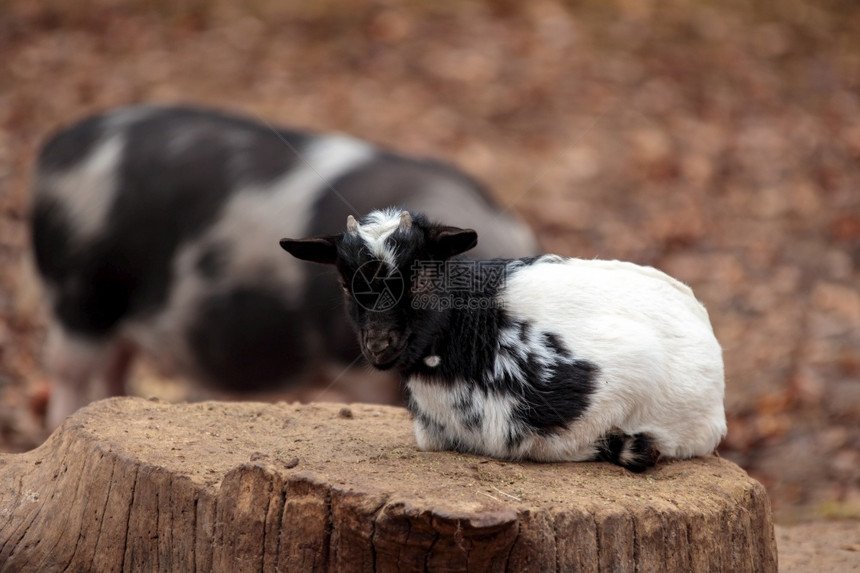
378, 258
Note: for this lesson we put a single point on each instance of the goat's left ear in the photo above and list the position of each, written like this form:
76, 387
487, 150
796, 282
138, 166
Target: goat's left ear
446, 242
317, 249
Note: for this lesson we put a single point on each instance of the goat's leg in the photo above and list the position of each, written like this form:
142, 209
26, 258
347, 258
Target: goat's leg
82, 370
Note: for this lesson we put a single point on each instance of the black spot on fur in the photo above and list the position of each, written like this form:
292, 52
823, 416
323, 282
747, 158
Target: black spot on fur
95, 307
553, 389
435, 428
634, 452
248, 339
552, 342
93, 285
471, 418
464, 403
515, 437
554, 399
51, 235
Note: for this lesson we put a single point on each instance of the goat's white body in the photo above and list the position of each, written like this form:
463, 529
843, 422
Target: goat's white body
660, 367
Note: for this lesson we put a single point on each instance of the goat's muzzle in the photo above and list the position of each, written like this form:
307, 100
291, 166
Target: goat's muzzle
382, 347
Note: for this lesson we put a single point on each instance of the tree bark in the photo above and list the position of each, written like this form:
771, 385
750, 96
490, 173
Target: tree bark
136, 485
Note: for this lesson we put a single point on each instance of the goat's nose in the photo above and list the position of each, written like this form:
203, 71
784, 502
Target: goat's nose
377, 346
377, 342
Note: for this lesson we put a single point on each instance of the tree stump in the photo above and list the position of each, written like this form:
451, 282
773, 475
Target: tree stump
136, 485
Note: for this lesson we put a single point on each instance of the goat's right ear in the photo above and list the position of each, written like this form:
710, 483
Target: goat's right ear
445, 242
317, 249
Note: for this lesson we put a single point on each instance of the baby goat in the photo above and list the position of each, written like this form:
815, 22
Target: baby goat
544, 358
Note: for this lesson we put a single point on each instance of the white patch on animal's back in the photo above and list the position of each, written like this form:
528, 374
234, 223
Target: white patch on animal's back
86, 191
377, 227
623, 268
595, 289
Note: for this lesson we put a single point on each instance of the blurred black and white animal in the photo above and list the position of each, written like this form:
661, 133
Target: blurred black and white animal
155, 229
543, 358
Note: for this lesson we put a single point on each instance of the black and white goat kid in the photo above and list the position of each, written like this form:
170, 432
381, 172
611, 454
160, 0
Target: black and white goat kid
544, 358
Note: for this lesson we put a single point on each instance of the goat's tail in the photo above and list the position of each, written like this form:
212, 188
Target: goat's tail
634, 452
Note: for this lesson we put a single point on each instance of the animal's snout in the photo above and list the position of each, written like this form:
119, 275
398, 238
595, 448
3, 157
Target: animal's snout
382, 346
378, 341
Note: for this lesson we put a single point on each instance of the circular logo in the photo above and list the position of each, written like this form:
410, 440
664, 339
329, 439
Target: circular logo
377, 288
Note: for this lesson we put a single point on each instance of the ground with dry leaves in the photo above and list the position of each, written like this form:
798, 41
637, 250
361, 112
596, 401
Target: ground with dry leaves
717, 141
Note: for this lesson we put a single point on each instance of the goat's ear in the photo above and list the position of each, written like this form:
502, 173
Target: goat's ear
317, 250
445, 242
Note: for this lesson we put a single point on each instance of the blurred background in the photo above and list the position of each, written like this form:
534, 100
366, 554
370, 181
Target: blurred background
718, 141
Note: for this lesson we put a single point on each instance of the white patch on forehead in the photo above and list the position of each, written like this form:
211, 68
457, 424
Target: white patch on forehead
377, 227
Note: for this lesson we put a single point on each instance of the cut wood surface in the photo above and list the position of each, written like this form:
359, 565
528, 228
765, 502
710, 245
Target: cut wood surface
137, 485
